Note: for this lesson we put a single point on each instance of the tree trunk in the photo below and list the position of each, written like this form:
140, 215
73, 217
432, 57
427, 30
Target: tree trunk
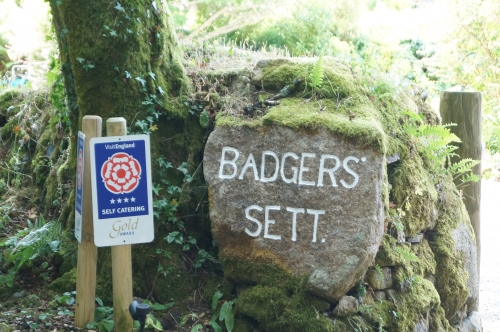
122, 59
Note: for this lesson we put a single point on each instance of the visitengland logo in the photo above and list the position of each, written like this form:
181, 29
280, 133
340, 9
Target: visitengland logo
121, 173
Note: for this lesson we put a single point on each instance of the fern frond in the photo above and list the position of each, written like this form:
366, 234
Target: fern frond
471, 177
463, 166
417, 117
434, 146
317, 74
411, 130
407, 255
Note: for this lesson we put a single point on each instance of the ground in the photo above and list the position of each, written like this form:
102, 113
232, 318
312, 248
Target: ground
489, 287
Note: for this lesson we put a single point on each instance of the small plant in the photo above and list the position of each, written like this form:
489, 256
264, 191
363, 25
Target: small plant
407, 255
317, 74
463, 170
361, 290
62, 304
103, 317
379, 271
36, 243
223, 314
434, 141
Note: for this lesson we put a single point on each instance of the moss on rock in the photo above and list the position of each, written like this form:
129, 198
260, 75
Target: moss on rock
345, 107
415, 193
451, 274
9, 98
403, 313
426, 264
278, 309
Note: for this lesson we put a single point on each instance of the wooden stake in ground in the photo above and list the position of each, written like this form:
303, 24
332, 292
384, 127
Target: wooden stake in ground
87, 251
464, 109
121, 257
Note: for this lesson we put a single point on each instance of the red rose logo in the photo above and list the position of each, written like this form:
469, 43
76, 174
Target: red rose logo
121, 173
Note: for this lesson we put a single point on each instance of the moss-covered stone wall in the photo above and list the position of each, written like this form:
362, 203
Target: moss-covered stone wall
426, 276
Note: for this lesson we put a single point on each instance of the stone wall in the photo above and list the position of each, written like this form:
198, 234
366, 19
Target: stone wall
332, 211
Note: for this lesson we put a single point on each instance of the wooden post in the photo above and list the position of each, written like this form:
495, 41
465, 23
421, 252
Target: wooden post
121, 257
87, 251
464, 109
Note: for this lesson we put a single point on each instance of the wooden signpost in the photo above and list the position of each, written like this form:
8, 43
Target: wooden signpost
118, 212
87, 250
121, 257
464, 109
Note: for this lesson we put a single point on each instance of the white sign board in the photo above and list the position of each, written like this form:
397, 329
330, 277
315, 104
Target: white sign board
121, 190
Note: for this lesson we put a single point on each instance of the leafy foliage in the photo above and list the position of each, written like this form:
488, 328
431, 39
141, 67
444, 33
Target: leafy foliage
463, 170
223, 314
32, 247
435, 140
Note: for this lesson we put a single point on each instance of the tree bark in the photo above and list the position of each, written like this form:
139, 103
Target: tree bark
117, 54
122, 59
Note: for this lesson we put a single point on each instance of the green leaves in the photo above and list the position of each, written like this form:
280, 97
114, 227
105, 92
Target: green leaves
183, 168
197, 328
175, 236
463, 170
85, 63
434, 141
227, 315
67, 298
215, 299
141, 80
119, 7
152, 322
224, 314
204, 119
407, 255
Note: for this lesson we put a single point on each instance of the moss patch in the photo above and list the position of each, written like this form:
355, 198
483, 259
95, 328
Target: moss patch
278, 309
404, 313
438, 321
9, 98
414, 192
426, 264
343, 105
451, 274
65, 283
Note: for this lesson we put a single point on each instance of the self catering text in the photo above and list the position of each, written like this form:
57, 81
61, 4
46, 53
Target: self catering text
123, 209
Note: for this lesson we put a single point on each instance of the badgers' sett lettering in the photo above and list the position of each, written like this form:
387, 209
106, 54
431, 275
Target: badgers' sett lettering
287, 170
304, 221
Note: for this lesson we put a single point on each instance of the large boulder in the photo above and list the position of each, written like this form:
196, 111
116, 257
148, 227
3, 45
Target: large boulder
310, 202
